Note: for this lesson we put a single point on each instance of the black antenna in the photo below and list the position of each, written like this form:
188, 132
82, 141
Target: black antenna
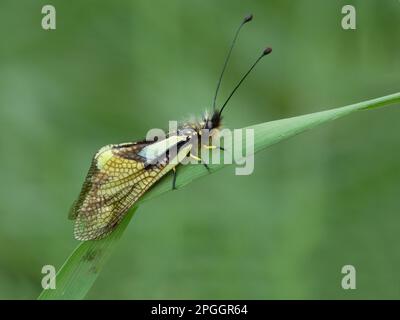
264, 53
245, 20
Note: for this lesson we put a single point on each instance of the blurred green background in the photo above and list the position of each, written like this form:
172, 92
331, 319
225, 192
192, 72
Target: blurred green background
114, 69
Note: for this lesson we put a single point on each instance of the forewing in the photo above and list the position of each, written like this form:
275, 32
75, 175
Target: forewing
117, 177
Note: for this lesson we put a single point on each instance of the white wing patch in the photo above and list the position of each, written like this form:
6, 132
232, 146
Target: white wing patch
157, 149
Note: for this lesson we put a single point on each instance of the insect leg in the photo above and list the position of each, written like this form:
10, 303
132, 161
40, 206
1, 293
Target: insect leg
209, 147
199, 159
213, 147
207, 167
194, 157
174, 179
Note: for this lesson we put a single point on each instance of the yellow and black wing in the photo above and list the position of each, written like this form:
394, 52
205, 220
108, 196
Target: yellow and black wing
117, 177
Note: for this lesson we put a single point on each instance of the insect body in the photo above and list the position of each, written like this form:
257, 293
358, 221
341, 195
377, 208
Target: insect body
121, 173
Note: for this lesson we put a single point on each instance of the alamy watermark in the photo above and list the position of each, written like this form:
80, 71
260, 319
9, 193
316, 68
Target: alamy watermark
49, 280
49, 18
349, 280
202, 146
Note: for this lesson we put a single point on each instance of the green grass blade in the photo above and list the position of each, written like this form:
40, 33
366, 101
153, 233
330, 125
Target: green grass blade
82, 267
269, 133
77, 275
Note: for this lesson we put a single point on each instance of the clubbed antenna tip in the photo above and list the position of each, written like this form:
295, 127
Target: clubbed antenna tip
267, 51
245, 20
248, 18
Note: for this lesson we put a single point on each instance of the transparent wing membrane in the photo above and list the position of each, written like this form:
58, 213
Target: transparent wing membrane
116, 179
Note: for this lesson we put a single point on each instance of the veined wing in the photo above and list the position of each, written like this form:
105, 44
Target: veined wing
117, 178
